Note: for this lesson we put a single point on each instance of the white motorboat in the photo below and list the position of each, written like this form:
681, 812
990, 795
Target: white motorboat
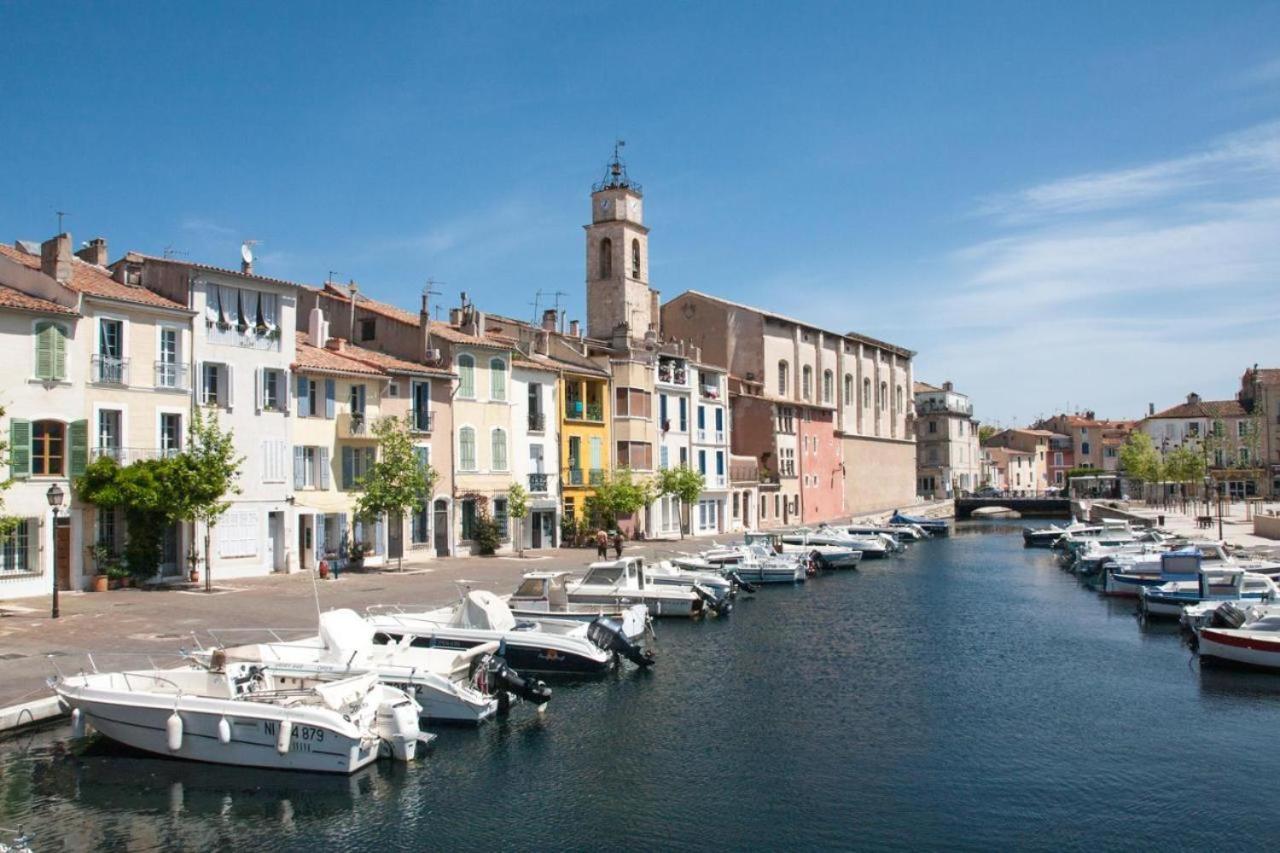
825, 551
1212, 585
1246, 636
1172, 566
877, 544
624, 581
1044, 537
680, 572
542, 595
543, 645
248, 715
758, 560
1212, 553
450, 685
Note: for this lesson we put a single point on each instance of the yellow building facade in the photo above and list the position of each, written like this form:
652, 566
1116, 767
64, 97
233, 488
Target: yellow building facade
584, 438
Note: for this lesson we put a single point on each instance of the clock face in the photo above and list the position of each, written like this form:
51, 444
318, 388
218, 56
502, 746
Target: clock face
604, 205
635, 206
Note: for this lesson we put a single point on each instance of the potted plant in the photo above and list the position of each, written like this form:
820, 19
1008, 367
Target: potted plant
355, 555
116, 575
193, 565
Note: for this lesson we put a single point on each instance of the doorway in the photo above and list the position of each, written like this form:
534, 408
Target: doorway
275, 539
441, 522
535, 529
395, 536
169, 564
62, 543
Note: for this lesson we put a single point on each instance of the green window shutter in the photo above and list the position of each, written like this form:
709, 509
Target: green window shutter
44, 350
19, 449
79, 445
59, 352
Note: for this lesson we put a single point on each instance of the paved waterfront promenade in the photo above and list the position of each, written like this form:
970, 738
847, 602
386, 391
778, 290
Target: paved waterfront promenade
1237, 525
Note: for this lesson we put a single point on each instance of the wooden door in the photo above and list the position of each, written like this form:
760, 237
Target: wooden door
62, 543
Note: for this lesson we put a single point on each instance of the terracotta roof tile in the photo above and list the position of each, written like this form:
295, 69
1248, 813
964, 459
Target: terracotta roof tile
10, 298
327, 361
93, 280
1203, 409
392, 364
211, 268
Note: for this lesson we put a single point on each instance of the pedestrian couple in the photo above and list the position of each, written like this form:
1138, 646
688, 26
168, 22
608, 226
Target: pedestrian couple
602, 544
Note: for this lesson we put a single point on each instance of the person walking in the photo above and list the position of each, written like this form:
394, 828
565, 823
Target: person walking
602, 544
617, 544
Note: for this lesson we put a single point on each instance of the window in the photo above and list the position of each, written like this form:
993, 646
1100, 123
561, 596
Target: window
1084, 448
806, 382
720, 463
635, 454
787, 461
684, 415
866, 393
736, 498
719, 425
702, 462
1242, 429
536, 422
237, 533
595, 458
215, 384
497, 379
468, 518
631, 403
783, 372
420, 527
1244, 456
368, 329
635, 258
828, 385
848, 389
1193, 429
273, 390
274, 452
500, 515
883, 402
15, 548
933, 427
393, 388
606, 258
357, 462
499, 439
110, 338
51, 351
684, 457
897, 399
466, 376
109, 432
664, 457
107, 528
1057, 458
422, 406
48, 448
305, 476
467, 449
357, 400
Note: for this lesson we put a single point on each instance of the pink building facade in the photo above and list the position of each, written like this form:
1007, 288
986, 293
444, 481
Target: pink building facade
821, 466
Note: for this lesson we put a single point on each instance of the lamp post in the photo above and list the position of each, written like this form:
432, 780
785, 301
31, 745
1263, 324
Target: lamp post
54, 496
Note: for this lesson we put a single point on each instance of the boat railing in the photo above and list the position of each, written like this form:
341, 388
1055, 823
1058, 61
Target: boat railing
215, 635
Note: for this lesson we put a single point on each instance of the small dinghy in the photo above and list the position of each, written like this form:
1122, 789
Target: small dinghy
248, 715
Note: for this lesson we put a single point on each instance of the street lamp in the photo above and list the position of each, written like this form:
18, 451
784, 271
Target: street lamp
54, 496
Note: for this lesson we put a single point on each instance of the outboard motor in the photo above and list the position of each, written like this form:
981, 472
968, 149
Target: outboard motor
719, 606
1228, 615
816, 561
741, 584
504, 682
608, 635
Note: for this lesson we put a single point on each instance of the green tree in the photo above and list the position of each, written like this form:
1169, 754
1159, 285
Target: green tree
620, 494
399, 481
1184, 465
1139, 459
684, 483
201, 477
518, 511
985, 431
7, 523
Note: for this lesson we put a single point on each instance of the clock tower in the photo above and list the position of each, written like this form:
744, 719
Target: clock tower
618, 290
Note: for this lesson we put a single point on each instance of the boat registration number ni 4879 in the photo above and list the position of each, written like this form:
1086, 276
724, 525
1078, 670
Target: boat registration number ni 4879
302, 736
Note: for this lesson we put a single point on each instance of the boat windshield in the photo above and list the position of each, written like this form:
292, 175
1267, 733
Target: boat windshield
608, 574
530, 588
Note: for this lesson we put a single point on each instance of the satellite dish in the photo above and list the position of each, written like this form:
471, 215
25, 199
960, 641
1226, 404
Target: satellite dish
246, 253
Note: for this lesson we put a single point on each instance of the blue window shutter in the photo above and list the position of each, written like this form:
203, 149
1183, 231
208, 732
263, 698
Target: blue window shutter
304, 404
347, 464
342, 534
719, 420
299, 467
330, 388
324, 468
702, 417
320, 546
720, 462
19, 448
662, 407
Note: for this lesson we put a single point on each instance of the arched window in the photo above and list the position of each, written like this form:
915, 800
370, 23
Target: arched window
883, 401
499, 450
497, 379
897, 398
828, 386
467, 449
606, 258
848, 389
466, 376
635, 258
783, 371
806, 385
866, 393
48, 448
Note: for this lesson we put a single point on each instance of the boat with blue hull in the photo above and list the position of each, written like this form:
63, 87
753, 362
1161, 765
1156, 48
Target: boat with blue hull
1213, 585
935, 526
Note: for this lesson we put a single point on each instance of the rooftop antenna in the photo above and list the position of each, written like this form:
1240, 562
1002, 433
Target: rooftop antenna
329, 280
61, 214
427, 292
352, 290
170, 252
559, 313
246, 255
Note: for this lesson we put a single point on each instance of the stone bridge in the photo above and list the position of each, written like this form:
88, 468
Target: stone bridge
1041, 507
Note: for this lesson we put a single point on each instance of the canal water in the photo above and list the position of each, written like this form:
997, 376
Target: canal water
968, 695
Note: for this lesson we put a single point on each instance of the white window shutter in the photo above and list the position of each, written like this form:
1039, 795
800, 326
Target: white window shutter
257, 390
230, 397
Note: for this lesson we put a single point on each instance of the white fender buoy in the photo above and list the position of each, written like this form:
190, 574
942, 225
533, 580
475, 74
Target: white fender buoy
224, 731
77, 723
173, 726
283, 738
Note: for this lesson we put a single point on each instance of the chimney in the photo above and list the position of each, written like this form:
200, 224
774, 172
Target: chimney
316, 332
575, 331
95, 252
542, 339
335, 344
55, 258
1151, 409
621, 336
947, 386
424, 322
1193, 397
549, 319
455, 317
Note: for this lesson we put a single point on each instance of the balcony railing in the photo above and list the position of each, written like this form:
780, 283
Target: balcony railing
424, 421
538, 483
711, 392
129, 455
575, 410
575, 477
701, 436
537, 422
354, 426
719, 437
668, 373
110, 371
171, 375
596, 476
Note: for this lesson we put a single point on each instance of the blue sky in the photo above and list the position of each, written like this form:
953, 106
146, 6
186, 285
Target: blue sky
1055, 204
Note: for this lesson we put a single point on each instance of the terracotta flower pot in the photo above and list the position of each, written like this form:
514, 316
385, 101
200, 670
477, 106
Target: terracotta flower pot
100, 583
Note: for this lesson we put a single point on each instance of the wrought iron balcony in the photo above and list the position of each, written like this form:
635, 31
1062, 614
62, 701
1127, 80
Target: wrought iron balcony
107, 370
575, 477
354, 425
596, 476
575, 410
537, 422
171, 376
538, 483
423, 421
129, 455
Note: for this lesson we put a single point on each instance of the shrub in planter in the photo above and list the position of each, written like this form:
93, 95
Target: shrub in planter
485, 534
